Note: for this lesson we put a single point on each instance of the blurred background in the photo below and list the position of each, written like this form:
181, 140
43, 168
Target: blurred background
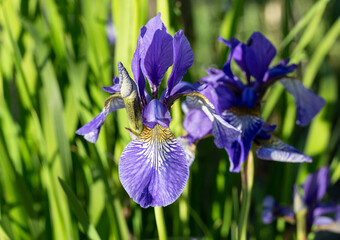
56, 55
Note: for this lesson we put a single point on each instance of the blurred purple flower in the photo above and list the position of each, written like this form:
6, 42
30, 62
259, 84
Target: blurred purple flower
317, 212
154, 166
240, 104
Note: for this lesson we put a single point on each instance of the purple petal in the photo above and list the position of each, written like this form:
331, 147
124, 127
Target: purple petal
316, 185
154, 113
156, 51
91, 130
237, 52
183, 59
153, 168
197, 124
220, 96
259, 54
268, 210
324, 209
323, 221
249, 98
279, 70
214, 76
136, 68
250, 126
276, 150
308, 104
224, 133
115, 88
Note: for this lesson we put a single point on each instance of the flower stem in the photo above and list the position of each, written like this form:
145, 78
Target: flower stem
161, 228
301, 225
247, 175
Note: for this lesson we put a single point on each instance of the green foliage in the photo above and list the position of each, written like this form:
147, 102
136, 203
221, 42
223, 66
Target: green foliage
55, 56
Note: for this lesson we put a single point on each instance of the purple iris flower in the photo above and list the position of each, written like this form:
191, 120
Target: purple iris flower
318, 214
239, 102
154, 166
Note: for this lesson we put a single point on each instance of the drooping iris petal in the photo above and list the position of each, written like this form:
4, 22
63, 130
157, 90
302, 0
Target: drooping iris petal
197, 124
153, 168
250, 126
154, 113
259, 53
136, 67
157, 57
279, 70
308, 104
115, 88
276, 150
316, 185
183, 59
224, 133
91, 130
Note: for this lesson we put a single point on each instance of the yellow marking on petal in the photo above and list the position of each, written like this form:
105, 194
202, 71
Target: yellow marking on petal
158, 134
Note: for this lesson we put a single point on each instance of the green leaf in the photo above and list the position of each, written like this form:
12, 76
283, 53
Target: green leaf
75, 205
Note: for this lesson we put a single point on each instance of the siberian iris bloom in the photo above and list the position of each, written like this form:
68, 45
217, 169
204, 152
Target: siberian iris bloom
154, 166
318, 213
238, 101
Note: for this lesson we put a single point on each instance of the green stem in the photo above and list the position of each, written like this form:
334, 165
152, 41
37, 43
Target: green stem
301, 225
160, 222
247, 174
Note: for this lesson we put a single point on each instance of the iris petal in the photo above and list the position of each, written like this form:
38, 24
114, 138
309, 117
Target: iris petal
250, 126
308, 104
183, 59
259, 54
137, 70
154, 113
197, 124
157, 58
153, 169
316, 185
224, 133
279, 70
115, 88
91, 130
276, 150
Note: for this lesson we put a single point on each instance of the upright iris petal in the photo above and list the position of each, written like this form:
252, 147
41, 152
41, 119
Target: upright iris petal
137, 69
316, 185
153, 168
183, 59
156, 51
260, 52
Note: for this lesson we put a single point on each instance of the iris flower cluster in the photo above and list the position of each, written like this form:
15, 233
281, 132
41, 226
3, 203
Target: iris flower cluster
324, 216
154, 166
238, 102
